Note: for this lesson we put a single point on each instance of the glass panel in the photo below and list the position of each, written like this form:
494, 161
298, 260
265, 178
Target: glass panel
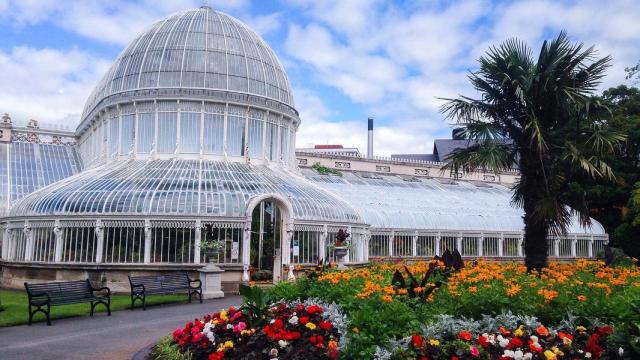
127, 133
255, 138
167, 129
113, 135
146, 129
190, 132
235, 136
213, 133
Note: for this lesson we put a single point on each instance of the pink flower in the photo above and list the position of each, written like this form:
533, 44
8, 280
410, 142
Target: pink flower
474, 351
239, 327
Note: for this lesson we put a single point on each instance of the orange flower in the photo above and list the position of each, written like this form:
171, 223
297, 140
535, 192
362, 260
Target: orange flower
473, 289
542, 331
513, 290
582, 298
387, 298
464, 335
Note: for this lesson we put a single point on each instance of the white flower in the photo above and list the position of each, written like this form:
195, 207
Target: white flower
534, 339
491, 339
502, 341
527, 356
283, 343
272, 321
518, 355
229, 326
587, 355
620, 351
293, 320
508, 353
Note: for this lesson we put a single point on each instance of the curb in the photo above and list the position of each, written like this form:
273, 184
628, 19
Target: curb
143, 353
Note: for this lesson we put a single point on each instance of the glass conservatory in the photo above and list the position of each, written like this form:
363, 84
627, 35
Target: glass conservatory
190, 137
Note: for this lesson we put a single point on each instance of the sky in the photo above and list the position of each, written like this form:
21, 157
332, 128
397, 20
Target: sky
346, 59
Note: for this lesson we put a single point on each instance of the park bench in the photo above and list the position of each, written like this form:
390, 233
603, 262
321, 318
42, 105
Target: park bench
44, 295
141, 286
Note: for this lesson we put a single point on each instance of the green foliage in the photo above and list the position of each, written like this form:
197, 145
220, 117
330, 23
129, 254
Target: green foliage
16, 304
538, 112
323, 170
254, 304
166, 349
620, 258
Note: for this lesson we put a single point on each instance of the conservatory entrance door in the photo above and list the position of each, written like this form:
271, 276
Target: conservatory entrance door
266, 235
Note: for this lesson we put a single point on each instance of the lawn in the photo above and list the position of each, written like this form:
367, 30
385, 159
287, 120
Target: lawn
15, 307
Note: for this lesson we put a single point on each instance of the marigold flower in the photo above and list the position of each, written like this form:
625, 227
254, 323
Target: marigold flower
387, 298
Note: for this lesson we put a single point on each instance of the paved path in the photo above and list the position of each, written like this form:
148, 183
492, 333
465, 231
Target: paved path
117, 337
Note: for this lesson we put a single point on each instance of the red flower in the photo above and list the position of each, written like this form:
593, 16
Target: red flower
515, 343
314, 309
177, 334
325, 325
464, 335
533, 347
303, 320
563, 336
604, 330
504, 332
216, 355
593, 347
417, 341
482, 341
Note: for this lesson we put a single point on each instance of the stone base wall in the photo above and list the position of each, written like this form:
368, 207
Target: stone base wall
14, 275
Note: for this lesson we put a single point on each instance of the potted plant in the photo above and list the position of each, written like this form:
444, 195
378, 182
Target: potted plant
341, 247
211, 248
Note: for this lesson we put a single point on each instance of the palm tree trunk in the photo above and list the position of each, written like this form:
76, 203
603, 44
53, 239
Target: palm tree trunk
535, 229
535, 239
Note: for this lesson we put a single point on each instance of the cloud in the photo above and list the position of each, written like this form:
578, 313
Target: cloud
46, 83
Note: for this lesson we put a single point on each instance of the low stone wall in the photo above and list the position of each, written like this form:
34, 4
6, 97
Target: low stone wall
13, 275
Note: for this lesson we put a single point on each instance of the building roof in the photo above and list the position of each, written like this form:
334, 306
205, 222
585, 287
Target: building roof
185, 188
196, 49
411, 203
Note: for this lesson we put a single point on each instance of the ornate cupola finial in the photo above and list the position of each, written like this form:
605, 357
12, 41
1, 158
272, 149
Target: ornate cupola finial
6, 118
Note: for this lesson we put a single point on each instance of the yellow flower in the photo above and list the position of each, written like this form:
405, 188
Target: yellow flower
310, 326
519, 331
223, 315
549, 355
581, 328
434, 342
228, 344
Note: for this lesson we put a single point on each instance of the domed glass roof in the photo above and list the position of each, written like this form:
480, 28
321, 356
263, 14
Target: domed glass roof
198, 49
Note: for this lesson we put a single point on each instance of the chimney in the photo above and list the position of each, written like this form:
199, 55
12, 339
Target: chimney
370, 140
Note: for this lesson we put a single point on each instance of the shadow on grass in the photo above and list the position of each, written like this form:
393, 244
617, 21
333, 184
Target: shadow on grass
15, 307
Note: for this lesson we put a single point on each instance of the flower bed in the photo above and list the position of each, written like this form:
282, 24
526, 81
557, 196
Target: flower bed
380, 313
284, 331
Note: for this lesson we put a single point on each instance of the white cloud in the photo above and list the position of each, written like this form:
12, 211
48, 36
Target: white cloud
46, 84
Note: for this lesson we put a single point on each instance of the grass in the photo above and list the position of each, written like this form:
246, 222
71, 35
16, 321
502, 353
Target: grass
16, 307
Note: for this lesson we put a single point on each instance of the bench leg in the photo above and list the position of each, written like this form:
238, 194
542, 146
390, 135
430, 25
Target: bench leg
92, 307
200, 295
39, 308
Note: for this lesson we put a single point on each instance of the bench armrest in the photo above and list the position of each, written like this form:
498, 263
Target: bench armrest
133, 286
195, 281
38, 295
102, 289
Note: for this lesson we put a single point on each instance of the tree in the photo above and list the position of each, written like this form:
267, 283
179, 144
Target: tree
633, 71
556, 133
608, 200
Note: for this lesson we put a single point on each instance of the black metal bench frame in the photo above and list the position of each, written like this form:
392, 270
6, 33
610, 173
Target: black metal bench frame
41, 298
139, 290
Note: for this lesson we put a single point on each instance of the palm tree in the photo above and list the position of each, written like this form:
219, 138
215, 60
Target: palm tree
542, 117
